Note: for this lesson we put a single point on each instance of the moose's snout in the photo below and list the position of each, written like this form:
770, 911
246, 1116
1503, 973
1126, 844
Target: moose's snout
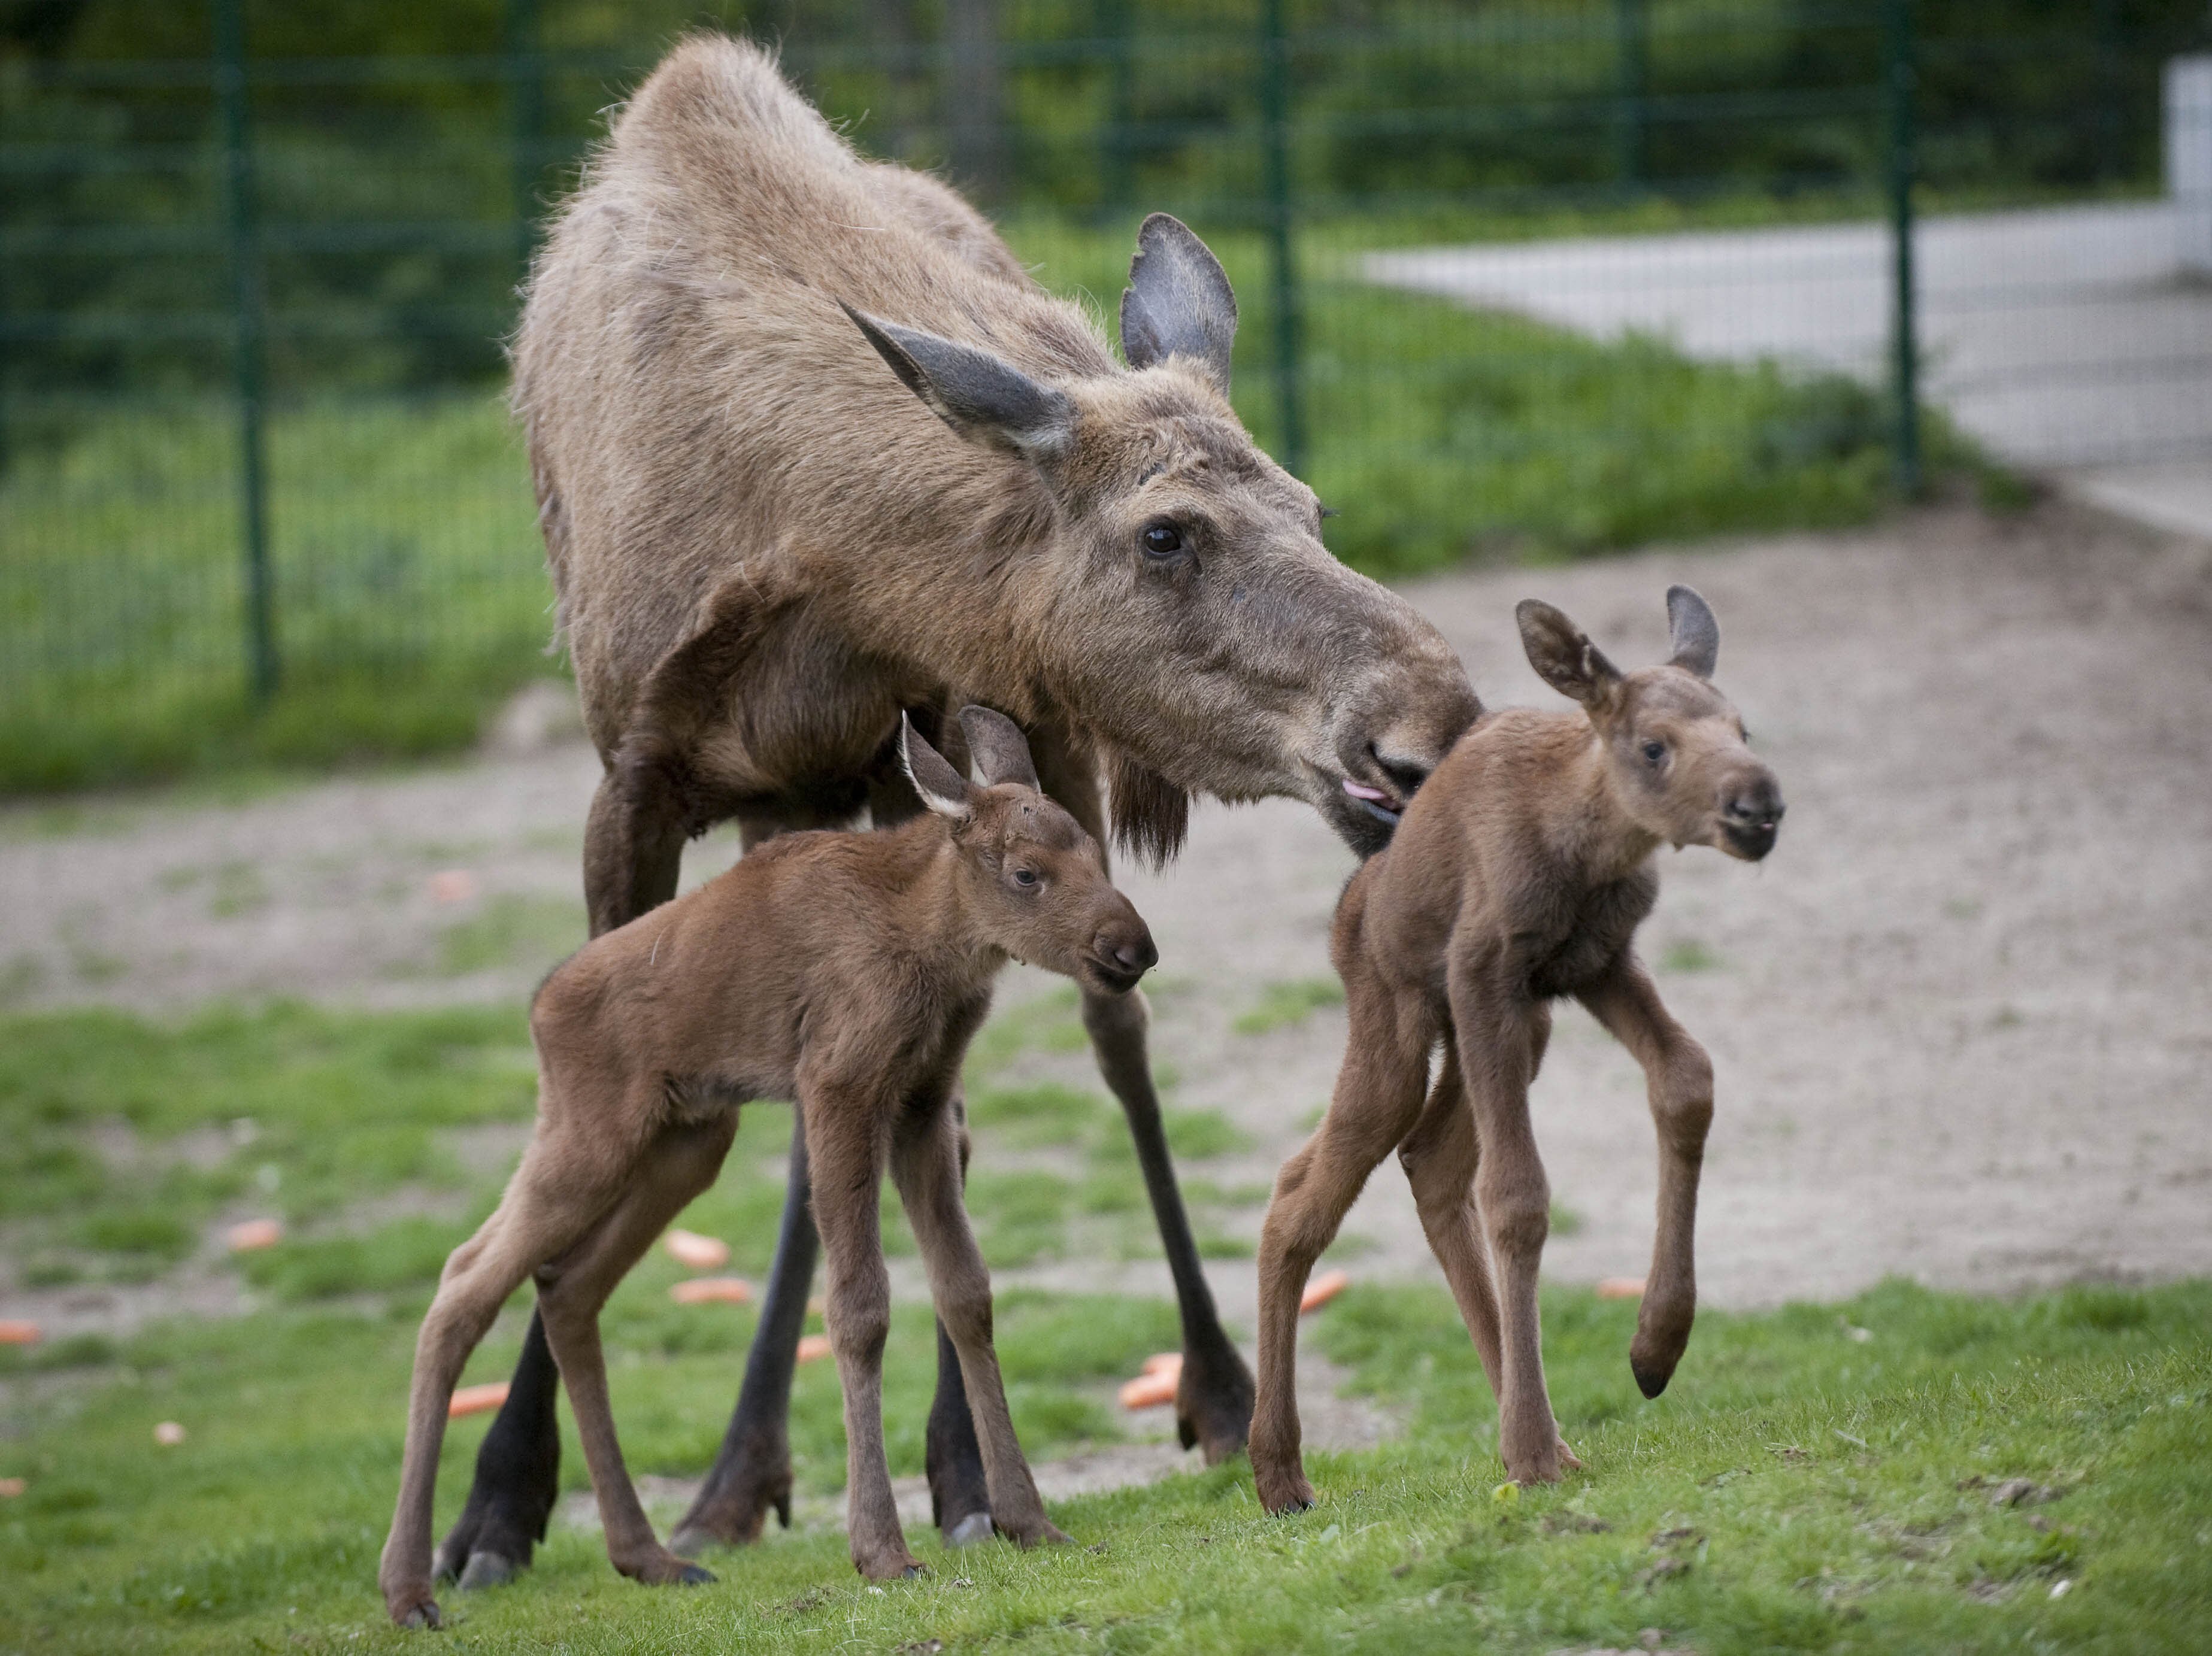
1122, 951
1386, 752
1751, 815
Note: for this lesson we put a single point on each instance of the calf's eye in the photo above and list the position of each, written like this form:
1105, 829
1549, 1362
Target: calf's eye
1654, 752
1024, 877
1162, 541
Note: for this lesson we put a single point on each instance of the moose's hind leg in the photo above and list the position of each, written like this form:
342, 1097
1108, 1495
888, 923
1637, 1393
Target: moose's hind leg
751, 1474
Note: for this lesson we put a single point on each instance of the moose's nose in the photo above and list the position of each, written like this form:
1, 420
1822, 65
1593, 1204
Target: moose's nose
1131, 950
1750, 816
1756, 803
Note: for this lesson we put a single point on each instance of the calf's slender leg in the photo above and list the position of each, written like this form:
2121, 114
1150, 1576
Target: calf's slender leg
1377, 1099
1678, 1079
1441, 1157
845, 1146
1496, 1047
633, 852
555, 1199
680, 1163
926, 1160
952, 1460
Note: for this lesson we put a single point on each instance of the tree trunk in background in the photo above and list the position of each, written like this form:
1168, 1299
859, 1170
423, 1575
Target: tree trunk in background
974, 113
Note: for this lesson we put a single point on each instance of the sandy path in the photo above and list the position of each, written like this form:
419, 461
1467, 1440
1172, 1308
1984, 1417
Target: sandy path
1961, 1018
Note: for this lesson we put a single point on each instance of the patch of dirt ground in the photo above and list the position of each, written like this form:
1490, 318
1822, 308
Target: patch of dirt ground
1960, 1018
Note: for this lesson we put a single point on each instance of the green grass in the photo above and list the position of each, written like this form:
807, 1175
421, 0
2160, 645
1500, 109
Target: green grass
1816, 1478
124, 1139
1282, 1003
1795, 1489
409, 584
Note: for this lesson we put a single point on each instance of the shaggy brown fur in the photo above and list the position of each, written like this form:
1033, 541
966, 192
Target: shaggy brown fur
719, 453
845, 971
1520, 875
811, 448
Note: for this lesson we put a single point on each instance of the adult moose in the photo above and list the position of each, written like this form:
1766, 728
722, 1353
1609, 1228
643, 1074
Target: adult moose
811, 448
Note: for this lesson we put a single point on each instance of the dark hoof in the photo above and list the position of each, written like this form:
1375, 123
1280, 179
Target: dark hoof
488, 1569
423, 1617
970, 1532
914, 1572
734, 1512
1650, 1379
694, 1576
1213, 1405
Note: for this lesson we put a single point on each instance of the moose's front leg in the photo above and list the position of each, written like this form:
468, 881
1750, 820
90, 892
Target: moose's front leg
1213, 1402
1678, 1076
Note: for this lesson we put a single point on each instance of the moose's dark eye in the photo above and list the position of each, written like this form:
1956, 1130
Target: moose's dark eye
1162, 541
1654, 752
1025, 877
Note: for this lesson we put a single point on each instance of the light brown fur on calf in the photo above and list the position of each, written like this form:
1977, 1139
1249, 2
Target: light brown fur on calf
1519, 874
845, 971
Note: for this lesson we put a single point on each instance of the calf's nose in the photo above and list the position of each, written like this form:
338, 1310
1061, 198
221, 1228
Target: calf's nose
1755, 802
1131, 950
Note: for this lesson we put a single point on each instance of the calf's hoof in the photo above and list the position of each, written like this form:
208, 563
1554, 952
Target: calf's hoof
1652, 1373
900, 1566
1283, 1493
662, 1568
1044, 1533
971, 1530
415, 1614
1213, 1404
733, 1512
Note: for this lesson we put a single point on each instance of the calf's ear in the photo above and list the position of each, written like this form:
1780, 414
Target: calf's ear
1563, 655
983, 398
999, 750
1697, 632
943, 789
1178, 303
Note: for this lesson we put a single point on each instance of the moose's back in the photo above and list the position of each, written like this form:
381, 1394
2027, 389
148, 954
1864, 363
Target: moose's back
694, 394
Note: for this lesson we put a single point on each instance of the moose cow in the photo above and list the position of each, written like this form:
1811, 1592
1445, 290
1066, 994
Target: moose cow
810, 449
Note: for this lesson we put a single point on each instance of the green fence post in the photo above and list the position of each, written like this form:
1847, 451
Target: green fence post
239, 209
1905, 345
1632, 40
1274, 104
1118, 185
525, 119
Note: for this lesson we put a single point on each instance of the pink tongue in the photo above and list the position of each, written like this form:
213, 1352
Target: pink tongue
1360, 790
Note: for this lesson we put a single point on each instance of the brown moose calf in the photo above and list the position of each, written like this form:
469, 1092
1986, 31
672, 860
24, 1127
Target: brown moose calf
1519, 874
847, 971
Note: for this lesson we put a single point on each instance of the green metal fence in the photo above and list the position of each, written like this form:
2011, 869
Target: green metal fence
1528, 276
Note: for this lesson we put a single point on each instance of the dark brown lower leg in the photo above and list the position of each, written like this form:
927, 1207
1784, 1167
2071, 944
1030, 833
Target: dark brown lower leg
1213, 1404
751, 1475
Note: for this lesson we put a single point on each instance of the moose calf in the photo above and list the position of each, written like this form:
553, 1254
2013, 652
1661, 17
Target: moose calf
846, 971
1519, 874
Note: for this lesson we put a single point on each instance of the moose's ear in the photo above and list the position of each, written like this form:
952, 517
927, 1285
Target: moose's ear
983, 398
943, 789
1697, 633
999, 750
1178, 302
1561, 652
